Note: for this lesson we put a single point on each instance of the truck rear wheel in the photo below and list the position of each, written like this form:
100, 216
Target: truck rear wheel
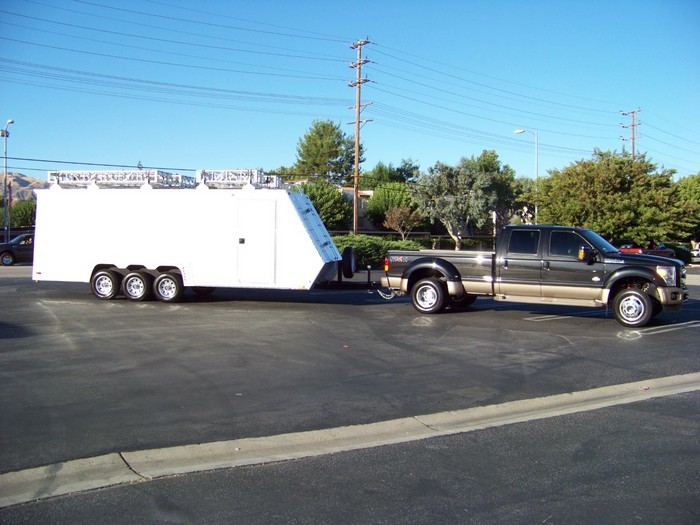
632, 308
168, 287
429, 296
467, 299
105, 284
136, 286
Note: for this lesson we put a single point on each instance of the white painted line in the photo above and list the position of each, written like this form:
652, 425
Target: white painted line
103, 471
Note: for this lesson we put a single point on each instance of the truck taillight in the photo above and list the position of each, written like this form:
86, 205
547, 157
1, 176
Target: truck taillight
386, 264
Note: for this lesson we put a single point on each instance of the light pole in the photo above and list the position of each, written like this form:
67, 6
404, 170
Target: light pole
537, 172
5, 211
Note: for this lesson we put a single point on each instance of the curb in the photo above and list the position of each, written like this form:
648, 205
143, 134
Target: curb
129, 467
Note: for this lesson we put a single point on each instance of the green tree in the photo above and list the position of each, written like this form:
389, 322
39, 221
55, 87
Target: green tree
382, 174
332, 206
525, 195
326, 153
385, 197
23, 213
458, 197
616, 195
688, 194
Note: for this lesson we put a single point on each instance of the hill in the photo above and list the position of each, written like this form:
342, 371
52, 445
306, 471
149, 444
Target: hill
22, 186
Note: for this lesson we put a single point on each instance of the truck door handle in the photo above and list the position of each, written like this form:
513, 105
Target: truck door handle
545, 265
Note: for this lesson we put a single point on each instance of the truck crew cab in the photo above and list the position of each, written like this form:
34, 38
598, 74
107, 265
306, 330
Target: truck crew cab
542, 265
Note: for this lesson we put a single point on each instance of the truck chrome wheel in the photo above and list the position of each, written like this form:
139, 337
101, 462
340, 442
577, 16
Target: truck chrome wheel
429, 296
632, 308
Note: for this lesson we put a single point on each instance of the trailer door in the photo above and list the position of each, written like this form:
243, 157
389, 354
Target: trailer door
257, 241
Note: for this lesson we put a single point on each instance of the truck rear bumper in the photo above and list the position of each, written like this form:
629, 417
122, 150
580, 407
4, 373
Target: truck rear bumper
391, 282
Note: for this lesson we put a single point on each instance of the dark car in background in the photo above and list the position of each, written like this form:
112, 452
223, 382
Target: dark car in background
19, 249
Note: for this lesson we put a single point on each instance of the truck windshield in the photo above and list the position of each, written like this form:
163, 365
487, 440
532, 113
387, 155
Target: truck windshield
597, 241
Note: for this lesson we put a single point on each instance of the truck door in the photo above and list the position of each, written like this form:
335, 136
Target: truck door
257, 254
564, 276
520, 266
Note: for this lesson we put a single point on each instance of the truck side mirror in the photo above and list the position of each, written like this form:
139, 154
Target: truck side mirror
585, 253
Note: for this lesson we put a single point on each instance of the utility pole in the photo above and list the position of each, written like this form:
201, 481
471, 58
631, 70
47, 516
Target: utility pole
633, 127
357, 84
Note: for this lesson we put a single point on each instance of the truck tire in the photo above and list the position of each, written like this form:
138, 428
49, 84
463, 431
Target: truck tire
7, 259
105, 284
168, 287
349, 266
632, 308
429, 296
136, 286
467, 299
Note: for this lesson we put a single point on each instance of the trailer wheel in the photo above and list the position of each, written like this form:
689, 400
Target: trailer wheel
136, 286
349, 265
632, 308
7, 259
105, 284
429, 296
168, 287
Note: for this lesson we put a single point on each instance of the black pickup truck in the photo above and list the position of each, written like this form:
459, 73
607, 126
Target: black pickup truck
543, 265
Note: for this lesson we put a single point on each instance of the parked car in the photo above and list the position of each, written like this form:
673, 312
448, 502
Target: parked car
19, 249
653, 248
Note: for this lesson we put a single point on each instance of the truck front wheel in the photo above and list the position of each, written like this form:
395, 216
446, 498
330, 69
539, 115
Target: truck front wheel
429, 296
105, 284
632, 308
168, 287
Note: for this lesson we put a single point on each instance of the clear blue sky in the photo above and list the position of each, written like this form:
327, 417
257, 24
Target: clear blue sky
235, 84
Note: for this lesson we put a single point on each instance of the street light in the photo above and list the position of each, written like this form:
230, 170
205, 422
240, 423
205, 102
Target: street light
537, 173
5, 216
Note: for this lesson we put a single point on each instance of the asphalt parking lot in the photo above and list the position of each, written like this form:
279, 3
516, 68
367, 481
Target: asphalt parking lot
84, 378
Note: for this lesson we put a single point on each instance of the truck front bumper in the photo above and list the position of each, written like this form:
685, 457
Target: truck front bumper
672, 297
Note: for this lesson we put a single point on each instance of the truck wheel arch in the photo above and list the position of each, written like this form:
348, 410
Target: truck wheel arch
429, 267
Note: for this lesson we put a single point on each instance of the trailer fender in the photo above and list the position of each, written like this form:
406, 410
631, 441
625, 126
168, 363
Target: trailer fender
433, 267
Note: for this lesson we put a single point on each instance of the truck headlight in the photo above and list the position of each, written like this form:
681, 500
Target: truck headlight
668, 274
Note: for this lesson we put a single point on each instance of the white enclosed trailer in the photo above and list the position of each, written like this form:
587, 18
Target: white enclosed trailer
150, 240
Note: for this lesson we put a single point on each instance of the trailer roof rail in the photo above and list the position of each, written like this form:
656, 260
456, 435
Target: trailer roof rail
121, 178
238, 178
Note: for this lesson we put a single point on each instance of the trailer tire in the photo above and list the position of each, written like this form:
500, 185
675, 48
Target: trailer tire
136, 286
7, 259
168, 287
105, 284
429, 296
349, 264
632, 308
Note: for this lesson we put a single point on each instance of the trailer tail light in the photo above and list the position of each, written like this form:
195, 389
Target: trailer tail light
386, 264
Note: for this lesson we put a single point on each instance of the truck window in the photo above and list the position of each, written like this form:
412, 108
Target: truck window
524, 241
565, 244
